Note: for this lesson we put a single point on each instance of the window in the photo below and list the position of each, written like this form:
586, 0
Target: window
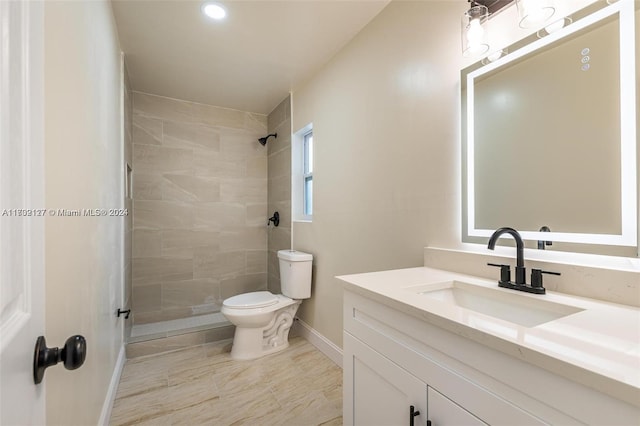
302, 174
307, 174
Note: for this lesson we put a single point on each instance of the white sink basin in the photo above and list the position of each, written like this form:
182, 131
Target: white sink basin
508, 305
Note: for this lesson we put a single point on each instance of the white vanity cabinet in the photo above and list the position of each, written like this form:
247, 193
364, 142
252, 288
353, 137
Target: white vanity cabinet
396, 357
383, 393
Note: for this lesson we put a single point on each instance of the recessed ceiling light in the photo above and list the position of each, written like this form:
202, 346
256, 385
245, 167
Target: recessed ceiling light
214, 10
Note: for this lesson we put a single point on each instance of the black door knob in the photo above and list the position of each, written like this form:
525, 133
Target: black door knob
72, 355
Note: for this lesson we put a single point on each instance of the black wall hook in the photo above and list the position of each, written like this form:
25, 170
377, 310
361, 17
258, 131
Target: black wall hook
125, 313
72, 355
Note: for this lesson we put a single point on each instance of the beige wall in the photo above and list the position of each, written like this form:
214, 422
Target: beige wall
83, 166
279, 121
386, 173
200, 207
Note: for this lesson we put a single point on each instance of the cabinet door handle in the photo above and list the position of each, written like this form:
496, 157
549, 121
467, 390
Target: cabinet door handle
412, 413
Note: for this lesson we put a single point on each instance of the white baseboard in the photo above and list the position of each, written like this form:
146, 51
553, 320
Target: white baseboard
113, 388
324, 345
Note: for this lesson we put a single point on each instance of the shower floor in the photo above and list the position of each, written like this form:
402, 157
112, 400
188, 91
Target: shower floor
158, 330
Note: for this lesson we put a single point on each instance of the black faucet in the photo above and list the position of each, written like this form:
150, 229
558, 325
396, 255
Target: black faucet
520, 269
505, 270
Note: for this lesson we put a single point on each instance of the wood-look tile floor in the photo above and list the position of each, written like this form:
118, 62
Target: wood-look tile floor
204, 386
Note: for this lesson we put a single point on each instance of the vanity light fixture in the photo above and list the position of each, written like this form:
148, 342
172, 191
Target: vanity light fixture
474, 30
214, 10
533, 13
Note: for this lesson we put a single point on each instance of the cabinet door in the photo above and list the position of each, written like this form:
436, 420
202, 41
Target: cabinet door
443, 411
379, 392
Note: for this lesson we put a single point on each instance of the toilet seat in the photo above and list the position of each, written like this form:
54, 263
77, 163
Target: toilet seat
256, 299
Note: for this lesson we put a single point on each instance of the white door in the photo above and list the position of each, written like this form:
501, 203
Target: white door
21, 204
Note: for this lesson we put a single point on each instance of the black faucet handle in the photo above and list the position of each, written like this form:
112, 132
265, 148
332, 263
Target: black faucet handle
536, 277
505, 272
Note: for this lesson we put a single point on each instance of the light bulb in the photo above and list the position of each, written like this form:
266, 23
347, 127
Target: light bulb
214, 11
495, 56
475, 32
534, 12
555, 26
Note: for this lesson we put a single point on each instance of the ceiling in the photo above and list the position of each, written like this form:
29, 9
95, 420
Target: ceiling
249, 61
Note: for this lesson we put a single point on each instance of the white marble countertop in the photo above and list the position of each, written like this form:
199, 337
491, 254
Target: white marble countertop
599, 346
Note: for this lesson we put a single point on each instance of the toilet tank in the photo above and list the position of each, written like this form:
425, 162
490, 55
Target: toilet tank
295, 273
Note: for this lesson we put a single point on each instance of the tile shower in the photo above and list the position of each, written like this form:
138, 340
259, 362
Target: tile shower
200, 208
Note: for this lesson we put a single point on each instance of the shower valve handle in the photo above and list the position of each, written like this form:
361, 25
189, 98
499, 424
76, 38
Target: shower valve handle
275, 219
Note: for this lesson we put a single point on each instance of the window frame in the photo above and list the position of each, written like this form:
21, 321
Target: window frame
302, 169
307, 173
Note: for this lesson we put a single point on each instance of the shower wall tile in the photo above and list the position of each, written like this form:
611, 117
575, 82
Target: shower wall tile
283, 141
273, 266
257, 167
181, 243
219, 117
162, 215
233, 146
154, 270
200, 205
202, 294
218, 216
244, 284
188, 135
190, 188
211, 163
230, 264
244, 191
279, 188
146, 243
280, 164
177, 269
280, 237
148, 186
280, 114
162, 108
160, 159
147, 298
256, 261
147, 271
256, 122
243, 238
147, 131
257, 214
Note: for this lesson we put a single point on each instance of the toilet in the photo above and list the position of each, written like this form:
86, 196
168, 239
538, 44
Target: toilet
263, 319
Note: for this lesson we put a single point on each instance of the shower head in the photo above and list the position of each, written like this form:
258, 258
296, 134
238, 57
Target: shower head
263, 141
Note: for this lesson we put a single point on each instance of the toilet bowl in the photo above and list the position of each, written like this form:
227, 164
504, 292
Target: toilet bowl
263, 319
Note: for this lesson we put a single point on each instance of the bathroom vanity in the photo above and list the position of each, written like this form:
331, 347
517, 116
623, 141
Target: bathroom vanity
426, 345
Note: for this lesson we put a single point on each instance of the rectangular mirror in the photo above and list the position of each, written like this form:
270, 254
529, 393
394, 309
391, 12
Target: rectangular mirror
549, 132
